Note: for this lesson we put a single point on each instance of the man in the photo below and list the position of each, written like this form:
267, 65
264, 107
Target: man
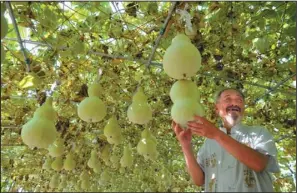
233, 158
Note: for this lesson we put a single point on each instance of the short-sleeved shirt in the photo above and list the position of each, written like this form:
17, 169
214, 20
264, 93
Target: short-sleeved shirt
224, 173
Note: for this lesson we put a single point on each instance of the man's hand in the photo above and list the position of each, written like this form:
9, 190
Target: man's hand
202, 127
184, 136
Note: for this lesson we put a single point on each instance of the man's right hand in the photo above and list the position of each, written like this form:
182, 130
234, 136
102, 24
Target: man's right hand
184, 136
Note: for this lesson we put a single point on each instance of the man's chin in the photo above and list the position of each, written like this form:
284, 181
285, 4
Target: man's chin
233, 119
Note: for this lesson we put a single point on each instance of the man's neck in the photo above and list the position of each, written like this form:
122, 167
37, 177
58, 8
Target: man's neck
227, 127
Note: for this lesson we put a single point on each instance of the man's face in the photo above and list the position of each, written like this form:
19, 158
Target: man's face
230, 107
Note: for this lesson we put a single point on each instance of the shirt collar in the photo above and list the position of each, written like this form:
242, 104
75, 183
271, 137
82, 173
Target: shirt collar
235, 129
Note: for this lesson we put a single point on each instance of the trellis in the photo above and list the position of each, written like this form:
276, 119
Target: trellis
149, 61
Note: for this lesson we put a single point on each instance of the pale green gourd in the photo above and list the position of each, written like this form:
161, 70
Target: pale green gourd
127, 158
57, 164
69, 163
54, 183
57, 148
112, 131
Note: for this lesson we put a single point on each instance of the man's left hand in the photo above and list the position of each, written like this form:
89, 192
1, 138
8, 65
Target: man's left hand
202, 127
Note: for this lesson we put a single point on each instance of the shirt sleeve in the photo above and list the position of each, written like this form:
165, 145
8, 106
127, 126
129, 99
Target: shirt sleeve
265, 144
201, 157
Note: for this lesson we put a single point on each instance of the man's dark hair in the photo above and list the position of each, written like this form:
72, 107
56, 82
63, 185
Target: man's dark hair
219, 93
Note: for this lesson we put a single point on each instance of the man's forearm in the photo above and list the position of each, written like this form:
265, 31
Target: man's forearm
194, 169
248, 156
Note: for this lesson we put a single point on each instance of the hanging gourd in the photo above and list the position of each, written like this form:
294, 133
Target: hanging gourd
182, 59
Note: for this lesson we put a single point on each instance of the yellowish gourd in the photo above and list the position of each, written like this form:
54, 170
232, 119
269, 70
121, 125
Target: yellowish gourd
69, 163
46, 110
139, 111
85, 184
93, 159
147, 134
105, 177
147, 148
182, 89
127, 158
57, 164
97, 167
39, 132
182, 59
180, 38
91, 109
139, 96
95, 89
105, 154
54, 183
84, 176
184, 110
112, 131
56, 149
200, 111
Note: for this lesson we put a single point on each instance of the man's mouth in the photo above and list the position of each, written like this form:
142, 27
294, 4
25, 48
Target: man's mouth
233, 108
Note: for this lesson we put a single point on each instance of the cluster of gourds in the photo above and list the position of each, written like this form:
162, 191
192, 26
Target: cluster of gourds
181, 61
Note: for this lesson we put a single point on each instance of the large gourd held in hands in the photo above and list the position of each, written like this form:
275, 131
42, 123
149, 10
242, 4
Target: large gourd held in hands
185, 96
184, 110
184, 89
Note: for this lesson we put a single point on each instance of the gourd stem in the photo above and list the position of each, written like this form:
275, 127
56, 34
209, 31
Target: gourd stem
158, 39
